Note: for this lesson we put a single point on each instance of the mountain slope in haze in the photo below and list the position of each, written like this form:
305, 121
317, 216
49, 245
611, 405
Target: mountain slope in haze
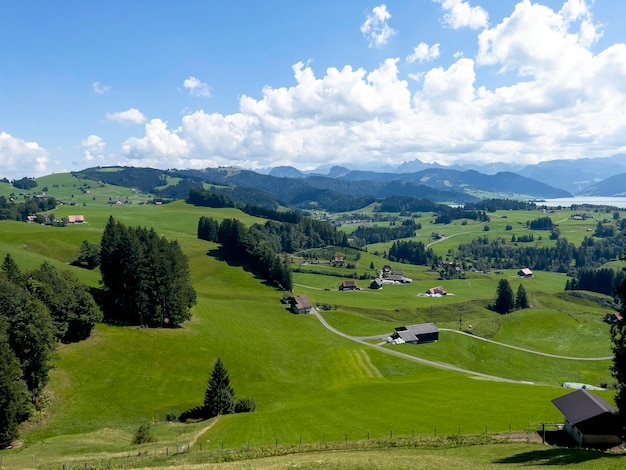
613, 186
576, 175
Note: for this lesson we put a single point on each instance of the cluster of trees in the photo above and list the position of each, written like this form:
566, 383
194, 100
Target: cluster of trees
146, 277
406, 204
248, 246
604, 231
366, 235
492, 205
25, 183
412, 252
602, 280
542, 223
523, 238
10, 210
505, 300
497, 254
446, 214
37, 309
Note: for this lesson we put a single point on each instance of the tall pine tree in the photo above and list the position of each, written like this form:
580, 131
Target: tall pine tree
505, 301
521, 299
618, 337
219, 398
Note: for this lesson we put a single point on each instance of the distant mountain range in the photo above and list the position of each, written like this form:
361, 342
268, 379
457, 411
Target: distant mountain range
581, 177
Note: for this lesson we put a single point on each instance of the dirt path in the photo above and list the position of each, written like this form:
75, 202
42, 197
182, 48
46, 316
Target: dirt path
197, 435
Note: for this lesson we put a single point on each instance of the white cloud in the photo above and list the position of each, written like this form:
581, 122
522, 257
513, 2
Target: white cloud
375, 28
158, 143
93, 148
423, 53
128, 117
196, 87
19, 158
556, 99
100, 88
461, 14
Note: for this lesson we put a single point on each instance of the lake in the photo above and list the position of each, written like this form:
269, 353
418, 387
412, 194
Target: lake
619, 202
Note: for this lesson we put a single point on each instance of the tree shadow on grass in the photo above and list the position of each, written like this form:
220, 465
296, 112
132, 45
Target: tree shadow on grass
556, 456
218, 255
563, 451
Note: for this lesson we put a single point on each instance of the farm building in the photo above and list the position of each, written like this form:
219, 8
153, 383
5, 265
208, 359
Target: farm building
439, 290
337, 261
589, 419
377, 283
525, 272
612, 318
75, 219
301, 304
417, 334
348, 285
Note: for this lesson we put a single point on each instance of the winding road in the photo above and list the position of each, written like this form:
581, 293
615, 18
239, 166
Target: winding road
441, 365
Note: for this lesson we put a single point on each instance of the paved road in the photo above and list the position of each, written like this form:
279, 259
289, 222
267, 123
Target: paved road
439, 365
530, 350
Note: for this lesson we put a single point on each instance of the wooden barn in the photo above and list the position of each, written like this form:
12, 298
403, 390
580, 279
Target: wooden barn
301, 304
589, 419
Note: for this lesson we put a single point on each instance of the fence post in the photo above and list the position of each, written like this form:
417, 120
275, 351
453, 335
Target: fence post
391, 434
276, 442
435, 432
368, 435
486, 432
543, 433
412, 433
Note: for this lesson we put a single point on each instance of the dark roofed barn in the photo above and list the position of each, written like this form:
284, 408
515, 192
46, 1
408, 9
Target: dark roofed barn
417, 334
589, 419
348, 285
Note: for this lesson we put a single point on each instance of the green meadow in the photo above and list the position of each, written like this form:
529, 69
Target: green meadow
310, 384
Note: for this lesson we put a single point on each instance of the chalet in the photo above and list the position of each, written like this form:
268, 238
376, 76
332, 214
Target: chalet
75, 219
439, 290
612, 318
337, 261
417, 334
397, 279
348, 285
525, 272
386, 269
377, 283
301, 304
31, 218
589, 419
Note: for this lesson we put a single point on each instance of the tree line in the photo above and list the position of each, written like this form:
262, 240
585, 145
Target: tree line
10, 210
37, 310
366, 235
146, 277
602, 280
412, 252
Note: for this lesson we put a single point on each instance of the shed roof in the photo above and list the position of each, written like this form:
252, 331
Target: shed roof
581, 405
302, 302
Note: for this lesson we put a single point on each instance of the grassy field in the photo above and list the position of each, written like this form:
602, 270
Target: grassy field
308, 383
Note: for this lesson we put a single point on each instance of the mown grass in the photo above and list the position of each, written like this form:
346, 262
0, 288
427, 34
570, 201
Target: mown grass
308, 382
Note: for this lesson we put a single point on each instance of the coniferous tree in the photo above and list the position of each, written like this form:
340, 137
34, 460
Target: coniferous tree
521, 299
618, 369
88, 255
219, 398
505, 302
10, 268
13, 394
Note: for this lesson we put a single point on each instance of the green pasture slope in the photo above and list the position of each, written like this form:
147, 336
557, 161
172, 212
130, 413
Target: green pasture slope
309, 384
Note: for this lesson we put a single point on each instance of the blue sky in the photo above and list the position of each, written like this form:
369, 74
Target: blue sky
195, 84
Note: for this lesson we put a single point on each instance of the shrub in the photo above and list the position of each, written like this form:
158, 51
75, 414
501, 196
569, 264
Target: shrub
245, 405
143, 435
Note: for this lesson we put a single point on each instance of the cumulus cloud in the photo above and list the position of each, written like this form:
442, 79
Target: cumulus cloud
460, 14
19, 158
128, 117
423, 53
196, 87
100, 88
93, 148
375, 28
555, 98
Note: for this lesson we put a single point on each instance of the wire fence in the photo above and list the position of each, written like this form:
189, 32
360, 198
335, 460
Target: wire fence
220, 450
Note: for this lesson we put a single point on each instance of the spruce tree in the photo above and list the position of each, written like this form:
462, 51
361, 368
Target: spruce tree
10, 268
13, 394
521, 299
505, 301
618, 369
219, 398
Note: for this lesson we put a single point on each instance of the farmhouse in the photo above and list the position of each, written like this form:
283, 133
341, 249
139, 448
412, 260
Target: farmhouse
439, 290
525, 272
417, 334
337, 261
589, 419
377, 283
348, 285
301, 304
75, 219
